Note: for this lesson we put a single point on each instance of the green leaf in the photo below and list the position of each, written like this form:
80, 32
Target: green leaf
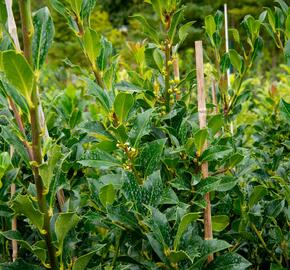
18, 73
287, 52
215, 123
152, 189
122, 105
46, 169
158, 58
76, 6
206, 248
59, 7
107, 195
229, 261
63, 224
100, 164
141, 127
92, 45
287, 26
200, 138
226, 183
257, 194
177, 18
158, 7
148, 29
19, 264
177, 256
185, 221
43, 36
220, 222
274, 266
285, 109
150, 155
275, 207
283, 5
235, 159
236, 60
215, 152
5, 162
22, 204
101, 95
183, 31
82, 261
210, 26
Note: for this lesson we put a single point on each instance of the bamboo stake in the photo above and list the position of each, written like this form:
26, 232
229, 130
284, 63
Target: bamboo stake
201, 96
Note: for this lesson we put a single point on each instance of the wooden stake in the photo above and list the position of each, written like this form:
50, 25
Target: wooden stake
202, 124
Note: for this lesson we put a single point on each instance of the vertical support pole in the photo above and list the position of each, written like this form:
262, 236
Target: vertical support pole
201, 96
176, 72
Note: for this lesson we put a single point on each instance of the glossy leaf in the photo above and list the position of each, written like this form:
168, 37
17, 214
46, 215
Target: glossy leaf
123, 104
219, 223
63, 224
92, 45
229, 261
150, 155
107, 195
257, 194
140, 127
200, 138
285, 109
43, 36
236, 60
148, 29
22, 204
18, 73
185, 221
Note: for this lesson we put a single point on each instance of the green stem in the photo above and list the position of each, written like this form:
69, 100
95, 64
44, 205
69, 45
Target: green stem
167, 75
27, 31
265, 245
27, 28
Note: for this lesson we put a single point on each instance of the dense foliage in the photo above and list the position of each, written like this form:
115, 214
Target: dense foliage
101, 162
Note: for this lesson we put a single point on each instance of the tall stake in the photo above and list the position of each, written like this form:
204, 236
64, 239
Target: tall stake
202, 124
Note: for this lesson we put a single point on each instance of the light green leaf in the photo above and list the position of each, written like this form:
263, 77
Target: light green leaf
158, 58
46, 169
5, 162
43, 36
183, 31
219, 223
210, 26
18, 73
257, 194
229, 261
236, 60
82, 262
200, 138
235, 159
100, 164
285, 109
150, 155
22, 204
107, 195
122, 105
92, 45
148, 29
63, 224
215, 123
177, 18
76, 6
141, 127
185, 221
